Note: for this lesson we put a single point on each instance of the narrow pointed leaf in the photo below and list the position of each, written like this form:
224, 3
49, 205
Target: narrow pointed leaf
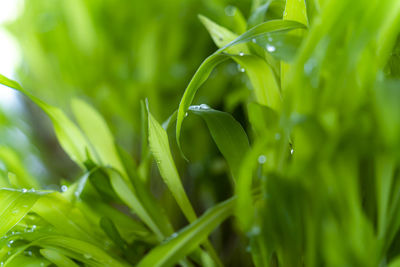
170, 252
159, 146
98, 133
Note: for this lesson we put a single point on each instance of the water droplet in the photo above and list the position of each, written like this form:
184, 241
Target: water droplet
87, 256
9, 244
24, 190
230, 10
255, 230
204, 106
186, 114
254, 40
291, 151
270, 38
262, 159
42, 264
241, 54
28, 253
64, 188
240, 69
30, 229
270, 48
32, 190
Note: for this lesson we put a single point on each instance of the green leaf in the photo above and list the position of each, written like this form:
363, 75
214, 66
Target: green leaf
212, 61
189, 238
58, 258
98, 133
129, 196
222, 36
14, 205
79, 250
67, 218
245, 208
266, 88
227, 133
68, 134
159, 146
261, 76
111, 230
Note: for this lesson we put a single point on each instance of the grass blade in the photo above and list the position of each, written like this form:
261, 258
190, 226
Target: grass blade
98, 133
189, 238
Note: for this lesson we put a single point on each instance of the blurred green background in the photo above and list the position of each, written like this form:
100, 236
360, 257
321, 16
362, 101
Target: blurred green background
114, 53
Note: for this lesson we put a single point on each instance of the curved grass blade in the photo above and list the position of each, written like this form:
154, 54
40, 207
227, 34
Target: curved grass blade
260, 73
228, 134
189, 238
212, 61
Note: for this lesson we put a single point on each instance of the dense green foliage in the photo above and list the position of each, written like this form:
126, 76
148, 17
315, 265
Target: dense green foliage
305, 151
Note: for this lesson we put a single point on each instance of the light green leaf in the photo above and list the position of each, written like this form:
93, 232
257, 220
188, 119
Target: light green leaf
265, 85
189, 238
227, 133
159, 146
222, 36
67, 218
69, 136
294, 10
14, 205
98, 133
58, 258
244, 186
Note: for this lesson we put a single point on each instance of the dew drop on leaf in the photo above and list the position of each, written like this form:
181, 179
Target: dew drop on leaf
262, 159
270, 48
